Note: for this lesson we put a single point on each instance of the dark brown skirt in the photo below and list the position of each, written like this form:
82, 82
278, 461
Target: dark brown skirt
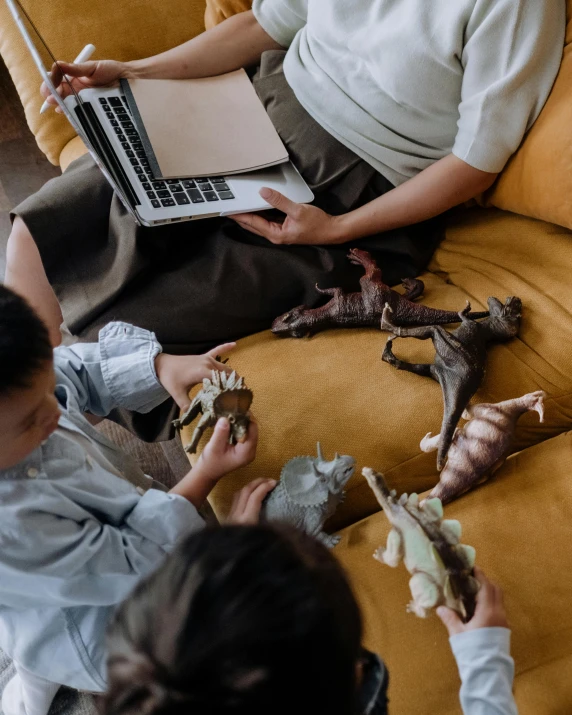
197, 284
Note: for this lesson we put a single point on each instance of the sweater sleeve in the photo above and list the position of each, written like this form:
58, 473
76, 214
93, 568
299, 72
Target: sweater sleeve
281, 19
487, 671
511, 56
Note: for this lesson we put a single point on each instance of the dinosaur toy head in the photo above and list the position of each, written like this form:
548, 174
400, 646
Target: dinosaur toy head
292, 324
335, 474
504, 320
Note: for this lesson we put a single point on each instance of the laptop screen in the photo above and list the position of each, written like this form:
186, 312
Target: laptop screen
82, 118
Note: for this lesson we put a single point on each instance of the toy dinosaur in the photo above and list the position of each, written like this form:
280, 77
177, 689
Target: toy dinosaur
441, 568
308, 493
363, 309
481, 446
221, 396
460, 358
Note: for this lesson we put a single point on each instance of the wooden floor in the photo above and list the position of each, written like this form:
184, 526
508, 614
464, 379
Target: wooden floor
23, 170
23, 167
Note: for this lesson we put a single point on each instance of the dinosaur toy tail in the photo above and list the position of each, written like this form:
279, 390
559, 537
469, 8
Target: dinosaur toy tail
454, 406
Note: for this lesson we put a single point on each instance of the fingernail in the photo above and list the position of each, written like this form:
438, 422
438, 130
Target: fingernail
272, 481
266, 193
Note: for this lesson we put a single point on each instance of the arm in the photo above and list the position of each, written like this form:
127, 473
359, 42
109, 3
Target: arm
447, 183
486, 670
482, 650
235, 43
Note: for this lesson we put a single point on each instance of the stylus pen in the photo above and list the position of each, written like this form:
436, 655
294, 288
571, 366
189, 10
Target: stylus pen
83, 56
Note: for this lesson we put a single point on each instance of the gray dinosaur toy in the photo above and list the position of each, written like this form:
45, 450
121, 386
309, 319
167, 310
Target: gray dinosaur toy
221, 396
441, 567
309, 490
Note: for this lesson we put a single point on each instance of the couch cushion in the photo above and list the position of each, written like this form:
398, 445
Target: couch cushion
139, 29
72, 151
521, 526
334, 388
538, 179
219, 10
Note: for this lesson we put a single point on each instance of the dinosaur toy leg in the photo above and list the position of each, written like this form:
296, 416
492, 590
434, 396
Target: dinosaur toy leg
204, 422
413, 288
393, 552
430, 443
425, 594
423, 369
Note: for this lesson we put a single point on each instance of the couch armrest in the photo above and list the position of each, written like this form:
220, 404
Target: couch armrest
120, 29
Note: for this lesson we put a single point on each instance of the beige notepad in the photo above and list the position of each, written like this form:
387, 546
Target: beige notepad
203, 127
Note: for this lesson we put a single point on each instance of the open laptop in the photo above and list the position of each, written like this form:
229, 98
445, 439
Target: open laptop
102, 118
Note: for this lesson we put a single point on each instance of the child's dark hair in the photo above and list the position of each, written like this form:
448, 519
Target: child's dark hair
24, 342
240, 620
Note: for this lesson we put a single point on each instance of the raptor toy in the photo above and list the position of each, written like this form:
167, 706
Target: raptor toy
460, 358
364, 308
441, 567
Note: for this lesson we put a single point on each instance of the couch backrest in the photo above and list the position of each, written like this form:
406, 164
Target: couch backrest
120, 29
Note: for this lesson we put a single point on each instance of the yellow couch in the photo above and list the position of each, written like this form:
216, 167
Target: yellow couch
334, 387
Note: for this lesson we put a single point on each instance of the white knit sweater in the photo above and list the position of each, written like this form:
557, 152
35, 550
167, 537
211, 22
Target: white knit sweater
404, 83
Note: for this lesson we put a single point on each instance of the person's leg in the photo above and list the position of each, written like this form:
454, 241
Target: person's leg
25, 274
28, 694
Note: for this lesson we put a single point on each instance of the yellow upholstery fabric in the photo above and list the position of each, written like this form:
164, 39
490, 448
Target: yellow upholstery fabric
219, 10
72, 151
334, 388
521, 526
121, 30
538, 179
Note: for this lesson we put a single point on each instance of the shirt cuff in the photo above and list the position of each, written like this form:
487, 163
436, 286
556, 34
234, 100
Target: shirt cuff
469, 643
164, 518
481, 154
277, 20
128, 366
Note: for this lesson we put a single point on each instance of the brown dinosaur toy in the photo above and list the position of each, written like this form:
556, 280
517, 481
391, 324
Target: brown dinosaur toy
481, 446
364, 309
460, 357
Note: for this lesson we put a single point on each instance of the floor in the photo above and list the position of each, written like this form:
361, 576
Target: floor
23, 170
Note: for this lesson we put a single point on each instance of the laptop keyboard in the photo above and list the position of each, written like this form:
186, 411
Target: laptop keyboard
160, 192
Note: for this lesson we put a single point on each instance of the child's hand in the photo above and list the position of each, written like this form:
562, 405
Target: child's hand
247, 503
178, 373
219, 457
489, 613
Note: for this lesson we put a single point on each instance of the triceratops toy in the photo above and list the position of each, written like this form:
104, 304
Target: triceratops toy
441, 567
221, 396
309, 490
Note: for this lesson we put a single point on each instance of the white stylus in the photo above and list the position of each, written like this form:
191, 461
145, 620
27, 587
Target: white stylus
83, 56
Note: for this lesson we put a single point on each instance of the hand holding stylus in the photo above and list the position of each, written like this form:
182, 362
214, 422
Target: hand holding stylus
83, 56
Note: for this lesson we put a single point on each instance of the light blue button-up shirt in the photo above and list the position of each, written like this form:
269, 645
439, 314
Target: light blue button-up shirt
75, 536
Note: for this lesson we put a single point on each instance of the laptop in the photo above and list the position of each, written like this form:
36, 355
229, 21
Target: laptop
103, 120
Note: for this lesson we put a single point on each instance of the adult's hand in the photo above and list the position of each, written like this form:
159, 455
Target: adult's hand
303, 224
98, 73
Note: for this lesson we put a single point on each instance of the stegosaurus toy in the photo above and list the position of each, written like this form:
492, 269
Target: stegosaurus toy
221, 396
441, 567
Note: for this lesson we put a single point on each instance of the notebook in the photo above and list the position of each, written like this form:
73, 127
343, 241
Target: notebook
203, 127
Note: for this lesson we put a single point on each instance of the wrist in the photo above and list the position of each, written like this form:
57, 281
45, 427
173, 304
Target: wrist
342, 229
134, 69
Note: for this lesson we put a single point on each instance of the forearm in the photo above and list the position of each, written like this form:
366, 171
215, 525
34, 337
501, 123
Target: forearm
195, 486
447, 183
235, 43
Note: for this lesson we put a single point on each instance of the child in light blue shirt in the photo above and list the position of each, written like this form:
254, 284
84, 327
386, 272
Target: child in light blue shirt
80, 524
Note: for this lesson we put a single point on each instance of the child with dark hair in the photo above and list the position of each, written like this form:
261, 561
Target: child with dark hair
80, 523
253, 620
